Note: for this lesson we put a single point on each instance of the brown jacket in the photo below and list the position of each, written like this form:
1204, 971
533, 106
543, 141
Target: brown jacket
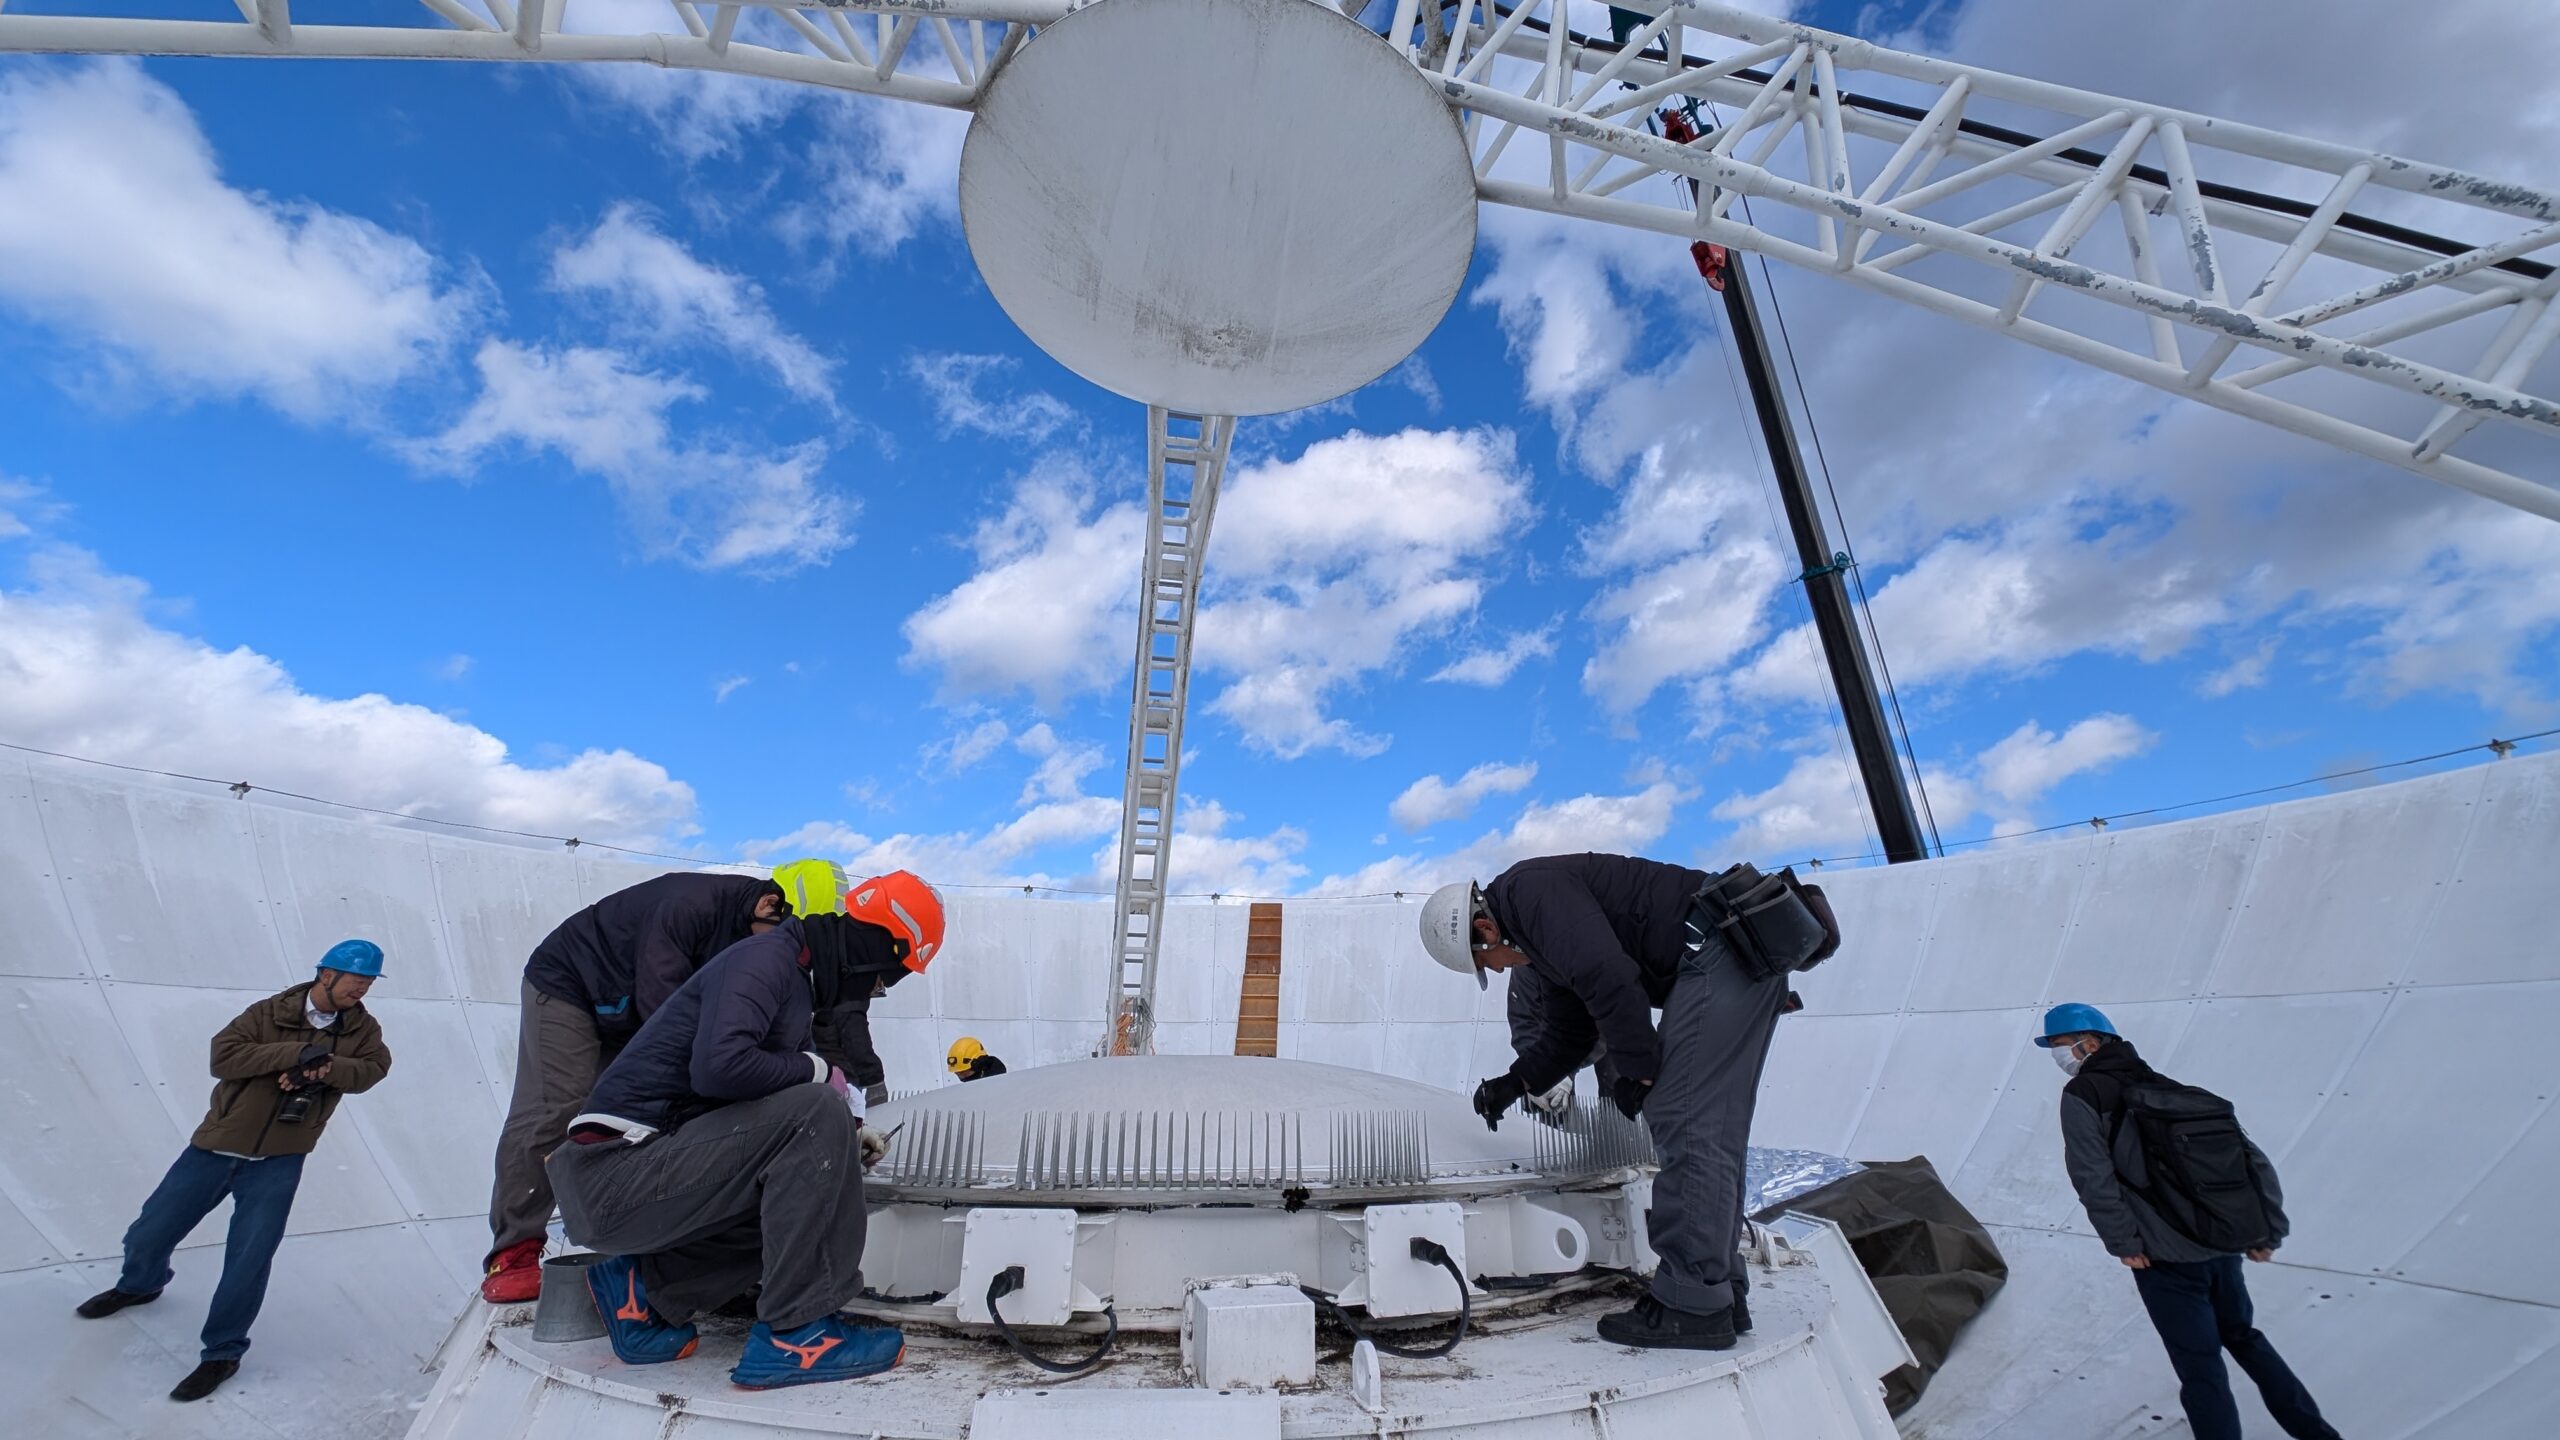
263, 1043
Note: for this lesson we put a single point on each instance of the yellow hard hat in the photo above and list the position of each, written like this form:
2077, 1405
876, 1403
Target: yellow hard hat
965, 1052
814, 887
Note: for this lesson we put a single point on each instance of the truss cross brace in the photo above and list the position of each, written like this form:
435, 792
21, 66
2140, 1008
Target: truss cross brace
1186, 456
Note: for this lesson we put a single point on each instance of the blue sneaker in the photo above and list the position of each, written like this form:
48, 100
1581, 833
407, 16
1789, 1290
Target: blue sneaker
829, 1349
639, 1337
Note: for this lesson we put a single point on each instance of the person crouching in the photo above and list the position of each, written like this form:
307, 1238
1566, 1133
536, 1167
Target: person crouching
713, 1155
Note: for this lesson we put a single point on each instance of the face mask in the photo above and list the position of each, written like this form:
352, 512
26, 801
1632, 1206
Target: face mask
2066, 1057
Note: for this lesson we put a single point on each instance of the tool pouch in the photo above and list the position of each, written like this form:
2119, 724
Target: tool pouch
1773, 924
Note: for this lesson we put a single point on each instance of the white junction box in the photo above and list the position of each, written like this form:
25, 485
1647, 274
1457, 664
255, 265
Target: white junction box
1248, 1336
1042, 1242
1398, 1284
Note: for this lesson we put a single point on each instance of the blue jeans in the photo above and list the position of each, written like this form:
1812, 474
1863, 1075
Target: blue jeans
261, 1193
2202, 1309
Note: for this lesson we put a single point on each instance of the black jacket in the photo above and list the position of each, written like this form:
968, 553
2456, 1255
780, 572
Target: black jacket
738, 1030
622, 957
1604, 937
2099, 1151
847, 957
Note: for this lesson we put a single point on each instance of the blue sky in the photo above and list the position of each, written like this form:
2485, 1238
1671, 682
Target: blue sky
638, 456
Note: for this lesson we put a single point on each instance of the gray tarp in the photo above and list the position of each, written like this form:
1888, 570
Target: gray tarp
1931, 1261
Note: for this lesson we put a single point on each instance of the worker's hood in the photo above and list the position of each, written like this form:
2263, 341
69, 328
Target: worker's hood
846, 958
738, 910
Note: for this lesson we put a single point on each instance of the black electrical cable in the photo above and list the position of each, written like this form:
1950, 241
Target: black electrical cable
1422, 1249
1009, 1280
2148, 174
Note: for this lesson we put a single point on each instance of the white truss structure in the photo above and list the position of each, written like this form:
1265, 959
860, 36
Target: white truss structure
933, 52
2385, 314
1186, 458
2370, 337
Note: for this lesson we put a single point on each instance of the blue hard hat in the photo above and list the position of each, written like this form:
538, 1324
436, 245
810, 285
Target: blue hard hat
2064, 1020
353, 957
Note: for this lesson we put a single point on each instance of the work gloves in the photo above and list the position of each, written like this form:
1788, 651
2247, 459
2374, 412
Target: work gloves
1549, 1106
874, 1146
1629, 1096
1495, 1096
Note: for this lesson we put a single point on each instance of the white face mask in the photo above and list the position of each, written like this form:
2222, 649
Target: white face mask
2067, 1057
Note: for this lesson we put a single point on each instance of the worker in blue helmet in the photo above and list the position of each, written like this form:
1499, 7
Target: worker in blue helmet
278, 1069
2178, 1193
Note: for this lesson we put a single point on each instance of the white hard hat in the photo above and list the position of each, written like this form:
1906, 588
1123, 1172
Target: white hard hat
1448, 929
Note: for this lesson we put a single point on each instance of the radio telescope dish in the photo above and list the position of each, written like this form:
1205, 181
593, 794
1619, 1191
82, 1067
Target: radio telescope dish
1226, 207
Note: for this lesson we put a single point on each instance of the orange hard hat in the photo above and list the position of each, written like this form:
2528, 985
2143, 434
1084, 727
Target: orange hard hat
902, 904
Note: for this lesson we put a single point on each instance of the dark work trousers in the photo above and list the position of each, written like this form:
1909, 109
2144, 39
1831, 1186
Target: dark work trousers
1715, 1037
557, 1060
261, 1193
766, 1189
2201, 1308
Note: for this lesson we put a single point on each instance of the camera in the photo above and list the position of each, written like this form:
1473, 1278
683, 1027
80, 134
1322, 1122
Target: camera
295, 1109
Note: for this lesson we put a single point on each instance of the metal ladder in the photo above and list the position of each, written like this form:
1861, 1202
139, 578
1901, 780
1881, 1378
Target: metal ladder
1186, 457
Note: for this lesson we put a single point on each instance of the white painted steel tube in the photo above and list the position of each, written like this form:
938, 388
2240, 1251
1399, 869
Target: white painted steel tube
2395, 172
46, 34
2392, 370
2452, 470
2244, 219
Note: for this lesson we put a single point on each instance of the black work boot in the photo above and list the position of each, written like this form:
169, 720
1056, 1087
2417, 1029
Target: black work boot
1652, 1325
108, 1302
205, 1379
1741, 1301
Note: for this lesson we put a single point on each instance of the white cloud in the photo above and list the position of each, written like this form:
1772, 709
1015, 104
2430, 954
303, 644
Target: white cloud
1819, 807
963, 749
1496, 665
1331, 566
455, 667
1415, 376
723, 688
2245, 672
1617, 824
1205, 856
1324, 568
951, 382
24, 505
1430, 800
991, 856
1686, 618
1062, 768
694, 115
1049, 609
1816, 806
1208, 860
2031, 760
118, 231
714, 506
643, 276
875, 176
77, 647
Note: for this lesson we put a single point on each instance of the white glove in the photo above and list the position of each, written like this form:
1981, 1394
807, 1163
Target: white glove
1554, 1100
874, 1146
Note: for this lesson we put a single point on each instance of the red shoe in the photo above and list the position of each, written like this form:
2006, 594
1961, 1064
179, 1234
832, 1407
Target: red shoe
515, 1275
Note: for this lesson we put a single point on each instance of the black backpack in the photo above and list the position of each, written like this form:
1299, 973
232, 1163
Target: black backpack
2195, 1160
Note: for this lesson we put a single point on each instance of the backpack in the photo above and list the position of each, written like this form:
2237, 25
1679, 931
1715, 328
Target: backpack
2195, 1159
